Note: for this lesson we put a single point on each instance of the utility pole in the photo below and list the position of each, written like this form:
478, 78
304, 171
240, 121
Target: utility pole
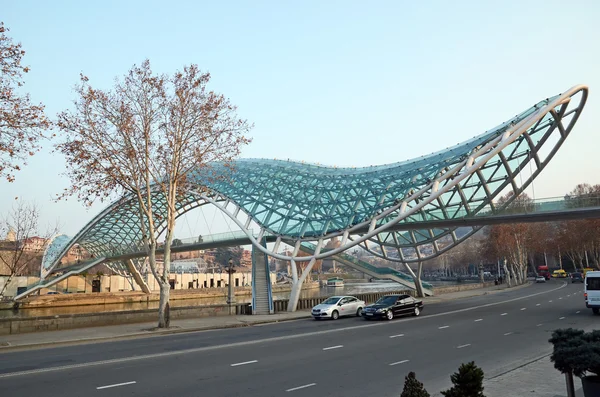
230, 294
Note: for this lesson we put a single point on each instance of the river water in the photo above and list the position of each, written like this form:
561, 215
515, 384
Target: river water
347, 289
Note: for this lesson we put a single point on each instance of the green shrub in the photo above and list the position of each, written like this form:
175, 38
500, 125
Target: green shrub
412, 387
468, 382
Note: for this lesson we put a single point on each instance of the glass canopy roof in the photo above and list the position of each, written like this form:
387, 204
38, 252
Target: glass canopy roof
300, 201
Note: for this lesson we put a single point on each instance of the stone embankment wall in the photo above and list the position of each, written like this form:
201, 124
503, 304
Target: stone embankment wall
70, 321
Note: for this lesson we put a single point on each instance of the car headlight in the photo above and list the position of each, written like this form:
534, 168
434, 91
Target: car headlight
381, 310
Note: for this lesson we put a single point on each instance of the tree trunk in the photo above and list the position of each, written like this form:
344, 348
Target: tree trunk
570, 384
515, 275
163, 306
5, 286
507, 275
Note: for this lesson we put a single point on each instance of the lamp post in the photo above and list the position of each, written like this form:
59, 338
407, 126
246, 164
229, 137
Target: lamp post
230, 295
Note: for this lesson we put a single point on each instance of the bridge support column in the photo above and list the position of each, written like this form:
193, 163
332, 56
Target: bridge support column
137, 276
417, 279
297, 284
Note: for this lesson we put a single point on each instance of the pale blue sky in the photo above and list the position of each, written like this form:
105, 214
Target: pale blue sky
336, 82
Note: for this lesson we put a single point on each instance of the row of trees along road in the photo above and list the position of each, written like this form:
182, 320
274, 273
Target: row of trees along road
140, 139
520, 243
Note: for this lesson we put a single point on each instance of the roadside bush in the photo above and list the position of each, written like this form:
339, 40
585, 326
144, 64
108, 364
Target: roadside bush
412, 387
468, 382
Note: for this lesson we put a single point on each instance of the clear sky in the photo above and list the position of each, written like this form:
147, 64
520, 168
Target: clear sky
332, 82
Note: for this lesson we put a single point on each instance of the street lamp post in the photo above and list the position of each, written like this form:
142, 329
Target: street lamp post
230, 295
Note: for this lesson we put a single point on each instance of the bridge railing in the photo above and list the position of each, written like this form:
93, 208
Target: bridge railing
534, 206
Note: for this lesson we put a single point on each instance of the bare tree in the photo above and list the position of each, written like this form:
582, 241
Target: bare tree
580, 239
513, 241
147, 138
17, 253
22, 124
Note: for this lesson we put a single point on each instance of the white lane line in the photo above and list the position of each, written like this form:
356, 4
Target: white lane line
561, 318
244, 363
399, 362
569, 295
504, 314
479, 319
549, 301
257, 341
301, 387
461, 346
539, 325
578, 311
444, 326
560, 298
539, 304
333, 347
508, 333
396, 336
523, 308
115, 385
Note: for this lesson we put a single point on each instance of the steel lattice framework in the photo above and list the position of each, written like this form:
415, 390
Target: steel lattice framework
295, 202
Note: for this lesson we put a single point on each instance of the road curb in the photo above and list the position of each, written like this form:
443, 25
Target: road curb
7, 347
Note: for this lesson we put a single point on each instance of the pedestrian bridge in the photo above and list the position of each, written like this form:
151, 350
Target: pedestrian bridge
393, 210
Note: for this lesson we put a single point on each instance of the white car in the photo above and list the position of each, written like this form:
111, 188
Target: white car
540, 279
338, 306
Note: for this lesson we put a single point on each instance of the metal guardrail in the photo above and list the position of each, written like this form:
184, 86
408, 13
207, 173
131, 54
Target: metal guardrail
308, 303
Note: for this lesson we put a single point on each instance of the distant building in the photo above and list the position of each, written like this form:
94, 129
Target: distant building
34, 244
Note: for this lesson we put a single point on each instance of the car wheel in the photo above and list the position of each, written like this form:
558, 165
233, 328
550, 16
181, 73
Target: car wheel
359, 312
389, 315
417, 311
596, 310
335, 315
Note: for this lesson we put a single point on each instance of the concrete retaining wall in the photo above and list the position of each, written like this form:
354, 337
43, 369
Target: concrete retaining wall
461, 287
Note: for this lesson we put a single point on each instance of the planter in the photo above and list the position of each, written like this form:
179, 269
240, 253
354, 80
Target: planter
591, 386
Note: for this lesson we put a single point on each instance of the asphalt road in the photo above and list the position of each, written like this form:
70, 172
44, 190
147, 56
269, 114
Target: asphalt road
348, 357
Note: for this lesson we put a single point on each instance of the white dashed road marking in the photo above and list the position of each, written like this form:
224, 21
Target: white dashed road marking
561, 318
399, 362
333, 347
115, 385
479, 319
396, 336
301, 387
508, 333
539, 304
578, 311
244, 363
523, 308
444, 326
504, 314
539, 325
549, 301
461, 346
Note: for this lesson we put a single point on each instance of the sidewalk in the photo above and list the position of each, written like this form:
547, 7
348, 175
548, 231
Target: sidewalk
539, 379
124, 331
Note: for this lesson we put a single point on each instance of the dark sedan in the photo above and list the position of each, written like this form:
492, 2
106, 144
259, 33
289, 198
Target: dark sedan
391, 306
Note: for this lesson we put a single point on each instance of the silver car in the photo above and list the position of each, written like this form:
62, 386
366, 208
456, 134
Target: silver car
338, 306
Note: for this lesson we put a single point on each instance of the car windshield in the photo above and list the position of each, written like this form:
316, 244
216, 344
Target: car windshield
332, 300
387, 300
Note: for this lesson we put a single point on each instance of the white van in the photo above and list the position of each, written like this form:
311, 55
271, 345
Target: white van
592, 291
